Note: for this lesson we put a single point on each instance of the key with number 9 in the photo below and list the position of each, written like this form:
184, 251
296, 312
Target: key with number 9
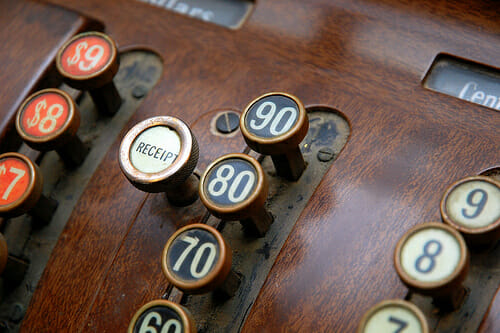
472, 206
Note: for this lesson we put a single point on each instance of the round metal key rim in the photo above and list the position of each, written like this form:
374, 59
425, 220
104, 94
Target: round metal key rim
458, 274
394, 302
216, 276
299, 124
106, 67
72, 117
33, 191
449, 221
253, 199
180, 162
187, 320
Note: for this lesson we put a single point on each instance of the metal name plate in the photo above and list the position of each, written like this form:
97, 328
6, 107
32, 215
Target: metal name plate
227, 13
466, 80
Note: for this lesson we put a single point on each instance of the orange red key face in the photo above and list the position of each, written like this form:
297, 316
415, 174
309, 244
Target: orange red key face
14, 180
86, 56
44, 115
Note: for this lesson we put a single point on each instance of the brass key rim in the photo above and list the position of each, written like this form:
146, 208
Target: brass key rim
56, 138
463, 229
33, 192
437, 287
246, 207
109, 65
214, 278
286, 141
394, 303
182, 312
182, 166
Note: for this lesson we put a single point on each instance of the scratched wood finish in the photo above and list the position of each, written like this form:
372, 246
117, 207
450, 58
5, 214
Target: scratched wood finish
364, 58
29, 44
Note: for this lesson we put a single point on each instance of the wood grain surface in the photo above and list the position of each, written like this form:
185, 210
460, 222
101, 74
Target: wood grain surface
365, 58
30, 42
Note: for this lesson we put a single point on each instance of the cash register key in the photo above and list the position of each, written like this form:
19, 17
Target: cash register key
275, 124
89, 61
393, 316
4, 254
48, 120
160, 154
162, 316
21, 189
235, 187
196, 259
472, 206
432, 259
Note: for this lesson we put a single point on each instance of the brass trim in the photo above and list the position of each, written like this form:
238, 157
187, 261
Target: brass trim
243, 209
186, 317
439, 287
213, 279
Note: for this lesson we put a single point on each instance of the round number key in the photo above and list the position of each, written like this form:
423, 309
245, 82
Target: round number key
275, 124
162, 316
159, 155
234, 187
472, 206
21, 189
393, 316
196, 259
432, 259
89, 61
48, 120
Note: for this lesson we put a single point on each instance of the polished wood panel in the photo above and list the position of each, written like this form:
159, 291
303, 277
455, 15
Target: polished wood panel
364, 58
29, 44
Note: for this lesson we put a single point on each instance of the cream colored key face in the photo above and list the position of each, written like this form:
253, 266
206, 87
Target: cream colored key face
393, 319
430, 255
473, 203
393, 316
155, 149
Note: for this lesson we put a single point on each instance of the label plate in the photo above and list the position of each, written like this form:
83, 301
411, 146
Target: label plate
227, 13
466, 80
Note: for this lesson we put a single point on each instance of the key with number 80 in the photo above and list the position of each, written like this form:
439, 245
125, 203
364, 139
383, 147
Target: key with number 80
235, 187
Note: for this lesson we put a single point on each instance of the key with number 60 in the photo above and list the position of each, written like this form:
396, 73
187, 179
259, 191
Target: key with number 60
162, 316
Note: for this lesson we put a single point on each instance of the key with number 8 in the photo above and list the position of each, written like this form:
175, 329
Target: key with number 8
197, 259
432, 259
162, 316
235, 187
472, 206
48, 120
